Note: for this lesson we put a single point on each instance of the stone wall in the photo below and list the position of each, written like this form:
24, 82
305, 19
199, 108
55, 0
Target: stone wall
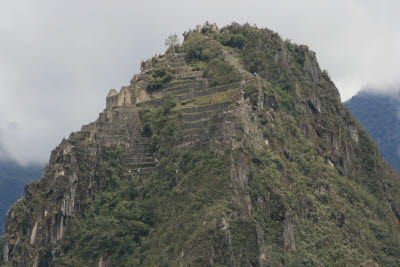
123, 98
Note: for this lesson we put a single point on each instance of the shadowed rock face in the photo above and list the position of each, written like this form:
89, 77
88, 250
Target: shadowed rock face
288, 233
311, 67
233, 151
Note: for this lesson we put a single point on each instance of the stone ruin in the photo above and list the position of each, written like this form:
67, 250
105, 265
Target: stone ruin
123, 98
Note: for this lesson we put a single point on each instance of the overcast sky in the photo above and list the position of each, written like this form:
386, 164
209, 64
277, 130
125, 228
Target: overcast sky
58, 59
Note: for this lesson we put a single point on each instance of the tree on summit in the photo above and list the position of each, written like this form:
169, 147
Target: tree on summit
172, 41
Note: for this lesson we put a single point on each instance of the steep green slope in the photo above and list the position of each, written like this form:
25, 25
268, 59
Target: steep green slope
233, 151
13, 178
380, 115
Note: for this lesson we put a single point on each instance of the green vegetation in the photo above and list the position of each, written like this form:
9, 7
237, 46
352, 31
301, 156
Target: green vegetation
217, 97
121, 217
197, 48
336, 219
219, 73
189, 187
233, 40
283, 176
159, 127
172, 41
251, 92
116, 222
327, 204
160, 77
203, 54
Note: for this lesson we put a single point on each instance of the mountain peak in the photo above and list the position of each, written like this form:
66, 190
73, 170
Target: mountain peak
231, 149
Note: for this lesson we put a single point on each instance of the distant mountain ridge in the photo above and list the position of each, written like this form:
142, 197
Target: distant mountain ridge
13, 178
380, 115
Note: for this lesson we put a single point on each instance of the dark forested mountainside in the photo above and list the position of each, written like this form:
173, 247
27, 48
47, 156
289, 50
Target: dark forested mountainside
233, 149
379, 113
13, 178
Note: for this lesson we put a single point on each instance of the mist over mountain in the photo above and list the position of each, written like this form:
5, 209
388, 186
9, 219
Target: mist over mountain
63, 54
379, 113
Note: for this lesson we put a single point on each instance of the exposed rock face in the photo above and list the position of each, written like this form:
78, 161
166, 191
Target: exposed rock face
311, 67
236, 151
5, 253
288, 233
30, 189
270, 101
283, 57
33, 234
314, 103
353, 133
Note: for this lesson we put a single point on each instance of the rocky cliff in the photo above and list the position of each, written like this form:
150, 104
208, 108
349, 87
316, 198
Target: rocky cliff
234, 150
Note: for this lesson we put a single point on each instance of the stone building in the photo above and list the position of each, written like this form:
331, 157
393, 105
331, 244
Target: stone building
123, 98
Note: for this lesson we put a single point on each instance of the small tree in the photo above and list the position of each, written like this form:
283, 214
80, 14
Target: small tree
172, 40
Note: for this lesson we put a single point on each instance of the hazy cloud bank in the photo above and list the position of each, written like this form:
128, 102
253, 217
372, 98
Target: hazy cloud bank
58, 59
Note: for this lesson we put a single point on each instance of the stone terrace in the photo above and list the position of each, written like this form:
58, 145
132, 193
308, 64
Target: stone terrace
121, 125
204, 114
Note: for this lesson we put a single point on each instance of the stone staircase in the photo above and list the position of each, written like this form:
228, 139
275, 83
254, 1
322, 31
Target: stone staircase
122, 125
206, 115
139, 159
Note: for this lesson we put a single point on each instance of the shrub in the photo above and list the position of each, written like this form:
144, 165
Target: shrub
234, 40
193, 47
159, 127
251, 92
160, 77
116, 222
219, 72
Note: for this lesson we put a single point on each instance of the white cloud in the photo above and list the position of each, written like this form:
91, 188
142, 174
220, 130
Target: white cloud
58, 59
